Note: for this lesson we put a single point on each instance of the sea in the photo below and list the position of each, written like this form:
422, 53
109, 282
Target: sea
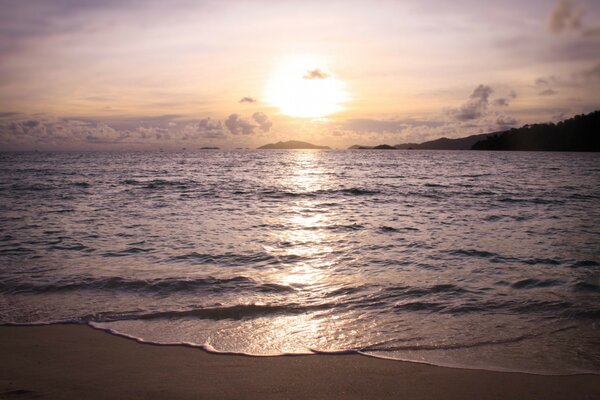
486, 260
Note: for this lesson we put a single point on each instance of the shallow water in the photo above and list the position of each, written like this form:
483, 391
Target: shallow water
476, 259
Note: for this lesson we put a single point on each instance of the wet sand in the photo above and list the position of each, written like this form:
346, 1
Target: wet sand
78, 362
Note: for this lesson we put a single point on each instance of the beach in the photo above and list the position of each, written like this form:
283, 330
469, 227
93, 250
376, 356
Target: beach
77, 361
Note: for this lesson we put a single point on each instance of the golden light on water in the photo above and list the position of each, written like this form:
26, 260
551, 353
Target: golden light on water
306, 240
304, 87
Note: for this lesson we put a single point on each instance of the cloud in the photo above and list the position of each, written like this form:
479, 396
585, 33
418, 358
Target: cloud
315, 74
51, 132
247, 99
506, 122
365, 125
373, 125
8, 114
237, 125
210, 128
548, 92
130, 132
592, 73
263, 121
565, 16
476, 106
505, 101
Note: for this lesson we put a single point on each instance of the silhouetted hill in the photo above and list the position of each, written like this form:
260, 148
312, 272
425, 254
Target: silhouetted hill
379, 147
291, 145
464, 143
580, 133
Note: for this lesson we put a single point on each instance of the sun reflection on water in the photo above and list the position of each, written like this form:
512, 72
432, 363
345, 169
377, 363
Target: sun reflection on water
306, 240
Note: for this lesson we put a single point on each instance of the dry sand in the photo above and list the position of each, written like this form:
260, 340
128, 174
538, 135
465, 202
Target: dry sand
78, 362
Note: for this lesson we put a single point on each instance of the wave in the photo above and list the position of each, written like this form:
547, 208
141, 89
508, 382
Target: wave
35, 187
387, 347
157, 183
151, 286
530, 283
279, 194
495, 257
390, 229
232, 258
236, 312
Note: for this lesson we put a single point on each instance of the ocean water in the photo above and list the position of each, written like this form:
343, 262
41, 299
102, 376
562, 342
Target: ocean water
473, 259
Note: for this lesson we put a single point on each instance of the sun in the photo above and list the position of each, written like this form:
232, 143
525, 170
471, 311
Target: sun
304, 87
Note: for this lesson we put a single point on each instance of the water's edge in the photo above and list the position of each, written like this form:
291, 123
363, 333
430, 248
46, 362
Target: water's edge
210, 350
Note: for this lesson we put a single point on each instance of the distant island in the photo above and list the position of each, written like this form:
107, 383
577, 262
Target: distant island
292, 145
380, 147
580, 133
209, 148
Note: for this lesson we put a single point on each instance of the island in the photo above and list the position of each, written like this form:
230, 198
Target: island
292, 145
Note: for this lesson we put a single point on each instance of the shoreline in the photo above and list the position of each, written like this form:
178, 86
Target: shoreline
79, 361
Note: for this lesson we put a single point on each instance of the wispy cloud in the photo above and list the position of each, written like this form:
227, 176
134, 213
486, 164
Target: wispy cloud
247, 99
316, 74
548, 92
476, 105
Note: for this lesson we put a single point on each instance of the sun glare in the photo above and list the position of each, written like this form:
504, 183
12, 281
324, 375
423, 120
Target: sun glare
304, 87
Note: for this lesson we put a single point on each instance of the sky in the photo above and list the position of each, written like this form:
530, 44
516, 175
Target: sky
126, 74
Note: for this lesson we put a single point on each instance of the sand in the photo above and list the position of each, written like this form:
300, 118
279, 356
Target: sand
79, 362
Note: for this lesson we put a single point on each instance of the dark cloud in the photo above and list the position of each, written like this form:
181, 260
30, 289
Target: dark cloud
247, 99
505, 101
31, 123
565, 16
476, 106
592, 73
237, 125
548, 92
263, 121
316, 74
506, 122
8, 114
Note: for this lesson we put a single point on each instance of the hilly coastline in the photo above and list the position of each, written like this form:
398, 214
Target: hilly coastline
580, 133
465, 143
